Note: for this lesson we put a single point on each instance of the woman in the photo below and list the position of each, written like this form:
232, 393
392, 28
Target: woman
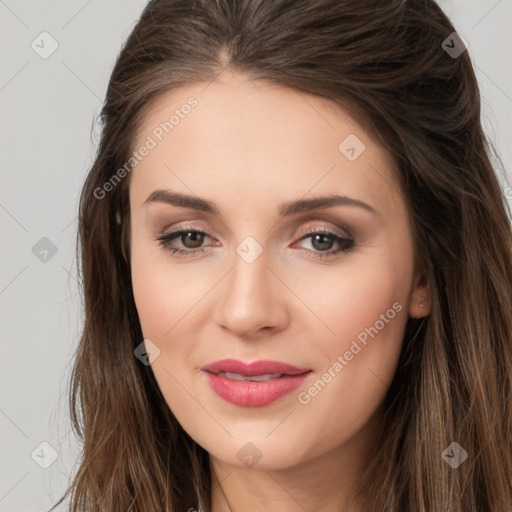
297, 271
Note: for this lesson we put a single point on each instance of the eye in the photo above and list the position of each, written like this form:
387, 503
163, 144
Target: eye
192, 239
322, 239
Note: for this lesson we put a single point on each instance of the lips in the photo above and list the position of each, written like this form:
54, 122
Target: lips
256, 368
254, 384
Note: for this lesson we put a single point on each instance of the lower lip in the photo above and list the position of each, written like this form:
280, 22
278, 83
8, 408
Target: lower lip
247, 393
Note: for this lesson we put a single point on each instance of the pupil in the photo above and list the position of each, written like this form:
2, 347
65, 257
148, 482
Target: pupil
197, 239
323, 245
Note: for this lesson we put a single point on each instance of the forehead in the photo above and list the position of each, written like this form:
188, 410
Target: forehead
240, 137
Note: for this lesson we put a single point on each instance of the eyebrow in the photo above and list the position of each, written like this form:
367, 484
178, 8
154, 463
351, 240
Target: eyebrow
285, 209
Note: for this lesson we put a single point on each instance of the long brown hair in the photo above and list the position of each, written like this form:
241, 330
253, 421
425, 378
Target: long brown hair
390, 64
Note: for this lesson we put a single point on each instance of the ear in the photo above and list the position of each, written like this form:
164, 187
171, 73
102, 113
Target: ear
421, 298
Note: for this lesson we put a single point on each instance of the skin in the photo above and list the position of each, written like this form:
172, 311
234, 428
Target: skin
249, 146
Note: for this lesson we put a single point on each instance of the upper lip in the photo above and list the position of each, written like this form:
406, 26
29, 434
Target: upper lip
255, 368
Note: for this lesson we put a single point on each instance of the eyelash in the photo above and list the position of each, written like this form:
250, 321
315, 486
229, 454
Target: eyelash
347, 244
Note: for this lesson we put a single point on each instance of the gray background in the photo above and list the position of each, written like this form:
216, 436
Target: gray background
48, 110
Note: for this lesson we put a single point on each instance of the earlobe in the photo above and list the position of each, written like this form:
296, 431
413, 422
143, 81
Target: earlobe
420, 302
419, 309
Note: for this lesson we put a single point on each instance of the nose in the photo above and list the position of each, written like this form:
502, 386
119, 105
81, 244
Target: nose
252, 300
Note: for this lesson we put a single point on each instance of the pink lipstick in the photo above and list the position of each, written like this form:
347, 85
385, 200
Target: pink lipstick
254, 384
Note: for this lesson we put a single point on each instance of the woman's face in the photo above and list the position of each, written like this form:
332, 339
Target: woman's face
280, 273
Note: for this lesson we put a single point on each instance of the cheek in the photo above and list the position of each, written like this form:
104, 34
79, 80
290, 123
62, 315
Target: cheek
351, 297
154, 300
370, 317
162, 290
368, 314
164, 299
